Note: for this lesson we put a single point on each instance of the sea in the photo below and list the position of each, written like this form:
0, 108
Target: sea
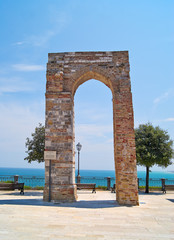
35, 177
38, 172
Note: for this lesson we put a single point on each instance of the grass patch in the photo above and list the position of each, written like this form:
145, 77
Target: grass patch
33, 188
8, 181
102, 187
150, 188
142, 187
27, 187
38, 188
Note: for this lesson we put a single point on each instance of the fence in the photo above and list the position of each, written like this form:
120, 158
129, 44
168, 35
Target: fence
34, 181
108, 181
100, 181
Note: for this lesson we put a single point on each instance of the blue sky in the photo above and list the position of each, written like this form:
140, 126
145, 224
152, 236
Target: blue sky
32, 29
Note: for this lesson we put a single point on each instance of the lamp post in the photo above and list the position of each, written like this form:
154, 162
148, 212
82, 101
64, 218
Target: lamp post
78, 146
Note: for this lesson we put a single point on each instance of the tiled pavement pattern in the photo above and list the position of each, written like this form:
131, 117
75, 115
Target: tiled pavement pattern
94, 216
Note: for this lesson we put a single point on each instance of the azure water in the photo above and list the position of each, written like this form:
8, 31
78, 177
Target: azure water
87, 173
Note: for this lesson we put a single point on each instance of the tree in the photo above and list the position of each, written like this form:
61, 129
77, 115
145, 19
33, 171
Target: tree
153, 146
35, 146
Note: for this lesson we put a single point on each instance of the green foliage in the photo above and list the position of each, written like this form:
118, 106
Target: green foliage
153, 146
27, 187
33, 188
35, 146
102, 187
8, 181
151, 188
38, 188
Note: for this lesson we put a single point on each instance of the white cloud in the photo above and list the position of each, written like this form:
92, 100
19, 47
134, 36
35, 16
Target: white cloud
165, 96
97, 145
93, 130
169, 120
19, 43
42, 39
14, 84
162, 97
93, 113
28, 68
58, 20
35, 40
17, 123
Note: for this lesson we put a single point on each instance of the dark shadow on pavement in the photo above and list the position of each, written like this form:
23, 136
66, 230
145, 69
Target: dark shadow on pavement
172, 200
150, 193
92, 204
28, 193
78, 204
37, 200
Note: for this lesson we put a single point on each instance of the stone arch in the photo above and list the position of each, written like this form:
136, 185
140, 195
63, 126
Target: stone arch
65, 73
88, 73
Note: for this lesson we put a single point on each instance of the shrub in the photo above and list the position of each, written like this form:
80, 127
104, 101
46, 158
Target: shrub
33, 188
102, 187
27, 187
8, 181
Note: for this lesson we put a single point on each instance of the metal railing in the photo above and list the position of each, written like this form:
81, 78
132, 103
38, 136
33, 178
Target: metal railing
110, 181
39, 181
100, 181
31, 181
153, 182
5, 178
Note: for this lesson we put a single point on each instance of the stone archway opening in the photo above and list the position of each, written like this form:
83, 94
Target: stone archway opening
65, 72
88, 75
93, 114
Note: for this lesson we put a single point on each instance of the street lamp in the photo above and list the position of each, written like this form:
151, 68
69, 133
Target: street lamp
78, 146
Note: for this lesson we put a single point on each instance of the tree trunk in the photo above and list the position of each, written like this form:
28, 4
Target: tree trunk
147, 180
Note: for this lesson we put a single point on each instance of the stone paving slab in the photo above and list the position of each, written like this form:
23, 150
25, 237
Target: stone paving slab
94, 216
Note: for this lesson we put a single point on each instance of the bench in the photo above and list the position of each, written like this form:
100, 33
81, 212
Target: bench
12, 186
86, 186
167, 187
113, 188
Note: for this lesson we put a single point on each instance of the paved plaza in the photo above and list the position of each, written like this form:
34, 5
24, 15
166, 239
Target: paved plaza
94, 216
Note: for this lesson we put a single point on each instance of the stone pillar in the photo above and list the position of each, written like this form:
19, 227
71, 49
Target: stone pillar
124, 146
108, 183
163, 184
78, 178
59, 140
16, 178
138, 181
